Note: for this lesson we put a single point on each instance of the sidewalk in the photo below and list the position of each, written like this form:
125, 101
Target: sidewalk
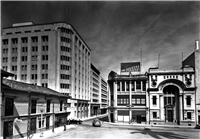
48, 133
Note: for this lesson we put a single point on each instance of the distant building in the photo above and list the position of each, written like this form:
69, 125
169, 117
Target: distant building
99, 93
28, 108
128, 98
95, 91
104, 96
50, 55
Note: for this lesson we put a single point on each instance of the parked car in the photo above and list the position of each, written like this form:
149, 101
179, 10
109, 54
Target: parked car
96, 123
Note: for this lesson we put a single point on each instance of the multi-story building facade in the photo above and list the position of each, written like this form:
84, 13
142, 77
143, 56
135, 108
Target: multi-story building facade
128, 97
95, 91
166, 96
27, 108
104, 96
50, 55
172, 96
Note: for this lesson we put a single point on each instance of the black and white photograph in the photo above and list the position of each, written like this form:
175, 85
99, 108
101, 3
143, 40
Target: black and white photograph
100, 69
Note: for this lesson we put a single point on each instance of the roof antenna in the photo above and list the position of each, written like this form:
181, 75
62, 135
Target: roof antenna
158, 60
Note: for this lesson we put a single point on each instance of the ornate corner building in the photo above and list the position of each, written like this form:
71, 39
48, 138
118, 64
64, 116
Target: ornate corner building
171, 96
158, 96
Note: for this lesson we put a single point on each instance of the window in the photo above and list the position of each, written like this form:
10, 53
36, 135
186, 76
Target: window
24, 58
41, 123
34, 67
144, 86
188, 100
24, 40
48, 105
132, 86
45, 38
24, 49
33, 76
34, 39
14, 68
45, 85
61, 105
44, 66
133, 101
24, 67
138, 100
118, 86
9, 105
189, 115
123, 86
45, 48
14, 41
44, 57
154, 100
155, 115
5, 41
44, 76
23, 77
127, 86
143, 101
34, 48
33, 105
34, 58
138, 85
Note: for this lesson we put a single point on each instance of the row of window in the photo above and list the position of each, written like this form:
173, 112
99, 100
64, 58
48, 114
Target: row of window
25, 40
64, 39
125, 86
33, 67
65, 30
171, 100
135, 101
155, 115
64, 86
64, 76
65, 58
64, 67
9, 106
65, 49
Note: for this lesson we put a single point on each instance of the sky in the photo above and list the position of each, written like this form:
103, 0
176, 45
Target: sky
120, 31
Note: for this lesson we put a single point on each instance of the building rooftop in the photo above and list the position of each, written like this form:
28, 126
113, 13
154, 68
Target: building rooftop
6, 74
16, 85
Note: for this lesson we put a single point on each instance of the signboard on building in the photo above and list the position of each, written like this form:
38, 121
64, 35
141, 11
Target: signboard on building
130, 67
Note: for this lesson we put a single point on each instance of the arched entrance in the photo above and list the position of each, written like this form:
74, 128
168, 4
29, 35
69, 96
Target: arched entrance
171, 104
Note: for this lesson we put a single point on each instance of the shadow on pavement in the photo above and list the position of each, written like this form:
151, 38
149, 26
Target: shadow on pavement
159, 134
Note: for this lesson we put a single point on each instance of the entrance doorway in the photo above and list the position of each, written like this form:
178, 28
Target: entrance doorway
171, 104
8, 130
170, 115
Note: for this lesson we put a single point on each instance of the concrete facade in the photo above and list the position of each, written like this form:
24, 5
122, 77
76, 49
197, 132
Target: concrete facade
50, 55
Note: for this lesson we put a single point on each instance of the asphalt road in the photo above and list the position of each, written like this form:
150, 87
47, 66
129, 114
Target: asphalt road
107, 130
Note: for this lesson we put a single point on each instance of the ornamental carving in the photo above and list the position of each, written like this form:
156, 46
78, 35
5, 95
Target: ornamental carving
188, 79
153, 80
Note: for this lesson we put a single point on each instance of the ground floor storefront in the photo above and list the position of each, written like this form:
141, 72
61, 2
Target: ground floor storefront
127, 115
95, 109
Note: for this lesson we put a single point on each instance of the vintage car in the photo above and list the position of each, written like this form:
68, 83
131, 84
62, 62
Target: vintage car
96, 123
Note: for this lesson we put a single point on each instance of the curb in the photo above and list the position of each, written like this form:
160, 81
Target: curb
149, 126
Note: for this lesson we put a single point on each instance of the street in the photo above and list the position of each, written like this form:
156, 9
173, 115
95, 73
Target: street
107, 130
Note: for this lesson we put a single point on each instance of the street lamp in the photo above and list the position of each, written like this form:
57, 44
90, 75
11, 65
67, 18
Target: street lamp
65, 108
